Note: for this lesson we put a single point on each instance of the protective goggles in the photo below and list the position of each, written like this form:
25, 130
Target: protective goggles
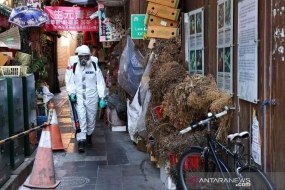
86, 57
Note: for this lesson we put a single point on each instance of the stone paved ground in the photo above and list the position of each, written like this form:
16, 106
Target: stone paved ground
111, 163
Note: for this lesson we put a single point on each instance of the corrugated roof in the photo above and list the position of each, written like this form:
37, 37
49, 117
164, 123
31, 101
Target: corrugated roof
5, 10
11, 38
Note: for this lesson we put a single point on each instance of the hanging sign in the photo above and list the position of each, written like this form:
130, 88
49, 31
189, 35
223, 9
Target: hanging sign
186, 33
71, 19
248, 50
196, 41
109, 31
138, 28
34, 3
225, 45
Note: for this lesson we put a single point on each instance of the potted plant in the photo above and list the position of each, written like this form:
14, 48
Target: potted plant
38, 68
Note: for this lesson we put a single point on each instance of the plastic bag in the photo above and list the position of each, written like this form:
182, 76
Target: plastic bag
144, 96
113, 118
138, 108
121, 108
130, 69
134, 110
112, 100
46, 94
141, 126
24, 58
144, 85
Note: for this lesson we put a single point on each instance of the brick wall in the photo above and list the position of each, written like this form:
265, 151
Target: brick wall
65, 48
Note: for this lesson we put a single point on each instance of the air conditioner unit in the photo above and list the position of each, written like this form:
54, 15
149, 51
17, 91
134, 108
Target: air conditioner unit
112, 3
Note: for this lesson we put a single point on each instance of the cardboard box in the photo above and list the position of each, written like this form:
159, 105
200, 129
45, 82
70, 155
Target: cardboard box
3, 59
169, 3
158, 21
8, 53
162, 11
162, 32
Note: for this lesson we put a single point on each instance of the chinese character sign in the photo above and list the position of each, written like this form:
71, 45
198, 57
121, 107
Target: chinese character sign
71, 19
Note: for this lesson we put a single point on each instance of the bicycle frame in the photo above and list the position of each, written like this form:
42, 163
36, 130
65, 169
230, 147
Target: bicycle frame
210, 153
211, 148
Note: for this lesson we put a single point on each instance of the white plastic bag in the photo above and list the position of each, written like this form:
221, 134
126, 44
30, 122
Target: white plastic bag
141, 126
113, 118
144, 85
133, 110
46, 94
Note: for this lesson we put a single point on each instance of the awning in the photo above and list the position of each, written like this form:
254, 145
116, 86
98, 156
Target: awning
11, 38
5, 10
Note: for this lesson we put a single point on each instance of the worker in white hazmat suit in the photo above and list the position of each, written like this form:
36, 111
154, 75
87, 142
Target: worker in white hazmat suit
68, 74
87, 85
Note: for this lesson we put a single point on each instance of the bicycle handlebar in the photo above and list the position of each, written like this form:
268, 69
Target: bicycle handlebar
202, 122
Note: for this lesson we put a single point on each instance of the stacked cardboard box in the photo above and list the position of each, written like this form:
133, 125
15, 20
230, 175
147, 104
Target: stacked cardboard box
161, 18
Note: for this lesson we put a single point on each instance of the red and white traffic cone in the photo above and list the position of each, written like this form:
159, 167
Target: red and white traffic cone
56, 141
43, 175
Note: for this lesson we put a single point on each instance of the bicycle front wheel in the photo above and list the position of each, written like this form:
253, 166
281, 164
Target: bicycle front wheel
191, 171
254, 179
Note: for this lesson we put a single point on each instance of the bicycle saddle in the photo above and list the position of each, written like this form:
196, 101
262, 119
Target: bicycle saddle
241, 135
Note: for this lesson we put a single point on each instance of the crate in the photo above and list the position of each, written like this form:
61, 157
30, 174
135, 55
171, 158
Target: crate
13, 71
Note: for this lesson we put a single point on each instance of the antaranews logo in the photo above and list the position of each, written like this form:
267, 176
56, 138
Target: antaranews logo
241, 182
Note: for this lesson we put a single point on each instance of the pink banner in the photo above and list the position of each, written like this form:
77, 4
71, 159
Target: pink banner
71, 19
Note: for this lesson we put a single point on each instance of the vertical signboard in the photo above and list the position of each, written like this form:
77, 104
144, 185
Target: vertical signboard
108, 31
248, 50
138, 28
196, 41
186, 36
225, 45
255, 144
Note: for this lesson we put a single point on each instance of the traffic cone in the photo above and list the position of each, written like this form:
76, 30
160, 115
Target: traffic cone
43, 175
56, 141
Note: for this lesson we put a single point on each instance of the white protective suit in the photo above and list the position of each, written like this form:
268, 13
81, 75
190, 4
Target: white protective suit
68, 74
89, 85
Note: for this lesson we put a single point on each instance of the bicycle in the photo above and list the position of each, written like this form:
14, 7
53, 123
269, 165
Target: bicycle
202, 167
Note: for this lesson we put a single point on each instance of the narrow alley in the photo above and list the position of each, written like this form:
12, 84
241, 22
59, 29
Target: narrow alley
111, 163
147, 94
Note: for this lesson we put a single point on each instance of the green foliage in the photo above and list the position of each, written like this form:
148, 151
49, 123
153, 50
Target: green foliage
38, 68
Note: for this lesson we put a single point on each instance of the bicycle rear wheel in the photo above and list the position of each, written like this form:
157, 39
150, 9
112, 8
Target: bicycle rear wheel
258, 179
191, 171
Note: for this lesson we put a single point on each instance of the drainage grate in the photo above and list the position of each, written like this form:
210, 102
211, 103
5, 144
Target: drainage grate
73, 181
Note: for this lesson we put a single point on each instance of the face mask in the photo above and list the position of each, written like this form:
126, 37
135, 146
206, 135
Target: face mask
83, 62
